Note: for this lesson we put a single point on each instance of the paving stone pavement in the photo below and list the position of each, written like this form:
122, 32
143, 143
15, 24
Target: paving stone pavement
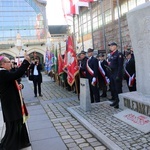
55, 101
52, 126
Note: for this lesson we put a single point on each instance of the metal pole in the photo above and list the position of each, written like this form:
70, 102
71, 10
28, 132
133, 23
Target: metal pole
119, 24
74, 35
103, 24
81, 22
91, 24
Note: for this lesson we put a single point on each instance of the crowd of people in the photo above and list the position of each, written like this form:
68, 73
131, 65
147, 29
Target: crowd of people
101, 71
108, 72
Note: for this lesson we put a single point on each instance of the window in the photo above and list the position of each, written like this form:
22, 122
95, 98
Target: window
124, 8
89, 27
100, 21
108, 16
131, 4
22, 16
95, 23
139, 2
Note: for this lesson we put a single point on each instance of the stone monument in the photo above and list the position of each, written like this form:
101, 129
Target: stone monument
85, 100
139, 28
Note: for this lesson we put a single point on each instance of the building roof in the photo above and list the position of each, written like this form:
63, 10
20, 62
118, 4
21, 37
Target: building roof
58, 29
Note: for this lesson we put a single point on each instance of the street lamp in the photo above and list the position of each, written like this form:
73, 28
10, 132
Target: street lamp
18, 45
48, 42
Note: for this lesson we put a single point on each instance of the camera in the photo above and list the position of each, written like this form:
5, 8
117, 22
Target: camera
35, 62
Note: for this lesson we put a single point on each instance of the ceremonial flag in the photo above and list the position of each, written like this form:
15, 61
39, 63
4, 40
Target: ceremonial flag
60, 61
72, 68
55, 61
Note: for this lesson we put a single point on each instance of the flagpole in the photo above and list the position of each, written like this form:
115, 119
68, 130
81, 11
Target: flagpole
103, 22
81, 20
91, 25
74, 35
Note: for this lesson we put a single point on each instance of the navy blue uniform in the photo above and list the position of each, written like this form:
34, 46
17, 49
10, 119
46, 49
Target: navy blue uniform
116, 66
83, 67
102, 78
130, 72
94, 91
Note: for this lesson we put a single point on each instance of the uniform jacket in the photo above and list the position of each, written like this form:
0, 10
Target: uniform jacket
116, 63
83, 67
9, 95
39, 68
130, 67
93, 64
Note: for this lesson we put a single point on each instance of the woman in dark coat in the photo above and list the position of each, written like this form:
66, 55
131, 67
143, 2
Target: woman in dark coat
16, 136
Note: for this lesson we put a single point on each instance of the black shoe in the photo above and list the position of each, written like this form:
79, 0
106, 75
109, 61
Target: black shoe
24, 146
41, 95
116, 106
35, 95
113, 104
111, 99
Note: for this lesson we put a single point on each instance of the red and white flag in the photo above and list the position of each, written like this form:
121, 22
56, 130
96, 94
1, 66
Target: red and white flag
60, 64
72, 68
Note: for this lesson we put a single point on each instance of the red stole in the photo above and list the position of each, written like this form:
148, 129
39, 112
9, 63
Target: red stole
25, 114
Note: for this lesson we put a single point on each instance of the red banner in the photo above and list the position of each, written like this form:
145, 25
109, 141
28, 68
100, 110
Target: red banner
72, 62
60, 64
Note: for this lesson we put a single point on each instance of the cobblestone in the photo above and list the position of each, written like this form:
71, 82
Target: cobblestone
72, 132
56, 100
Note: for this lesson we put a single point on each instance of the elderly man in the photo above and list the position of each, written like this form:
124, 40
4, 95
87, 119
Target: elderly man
116, 67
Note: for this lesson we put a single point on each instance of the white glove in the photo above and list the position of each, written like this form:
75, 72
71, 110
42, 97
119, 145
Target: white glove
93, 81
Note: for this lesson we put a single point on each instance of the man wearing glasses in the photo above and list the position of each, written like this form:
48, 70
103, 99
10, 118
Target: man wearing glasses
16, 136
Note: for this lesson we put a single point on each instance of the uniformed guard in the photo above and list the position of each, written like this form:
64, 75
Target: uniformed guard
116, 70
92, 75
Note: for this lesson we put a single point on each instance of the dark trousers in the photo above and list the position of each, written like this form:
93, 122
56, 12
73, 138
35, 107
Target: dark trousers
16, 136
36, 83
115, 87
94, 92
102, 86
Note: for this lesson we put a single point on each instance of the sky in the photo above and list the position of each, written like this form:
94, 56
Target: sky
54, 13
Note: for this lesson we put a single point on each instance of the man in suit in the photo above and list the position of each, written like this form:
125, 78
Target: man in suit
116, 66
35, 69
92, 75
102, 74
129, 70
16, 136
83, 62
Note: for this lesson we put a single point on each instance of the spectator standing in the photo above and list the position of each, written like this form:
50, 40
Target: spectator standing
36, 69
